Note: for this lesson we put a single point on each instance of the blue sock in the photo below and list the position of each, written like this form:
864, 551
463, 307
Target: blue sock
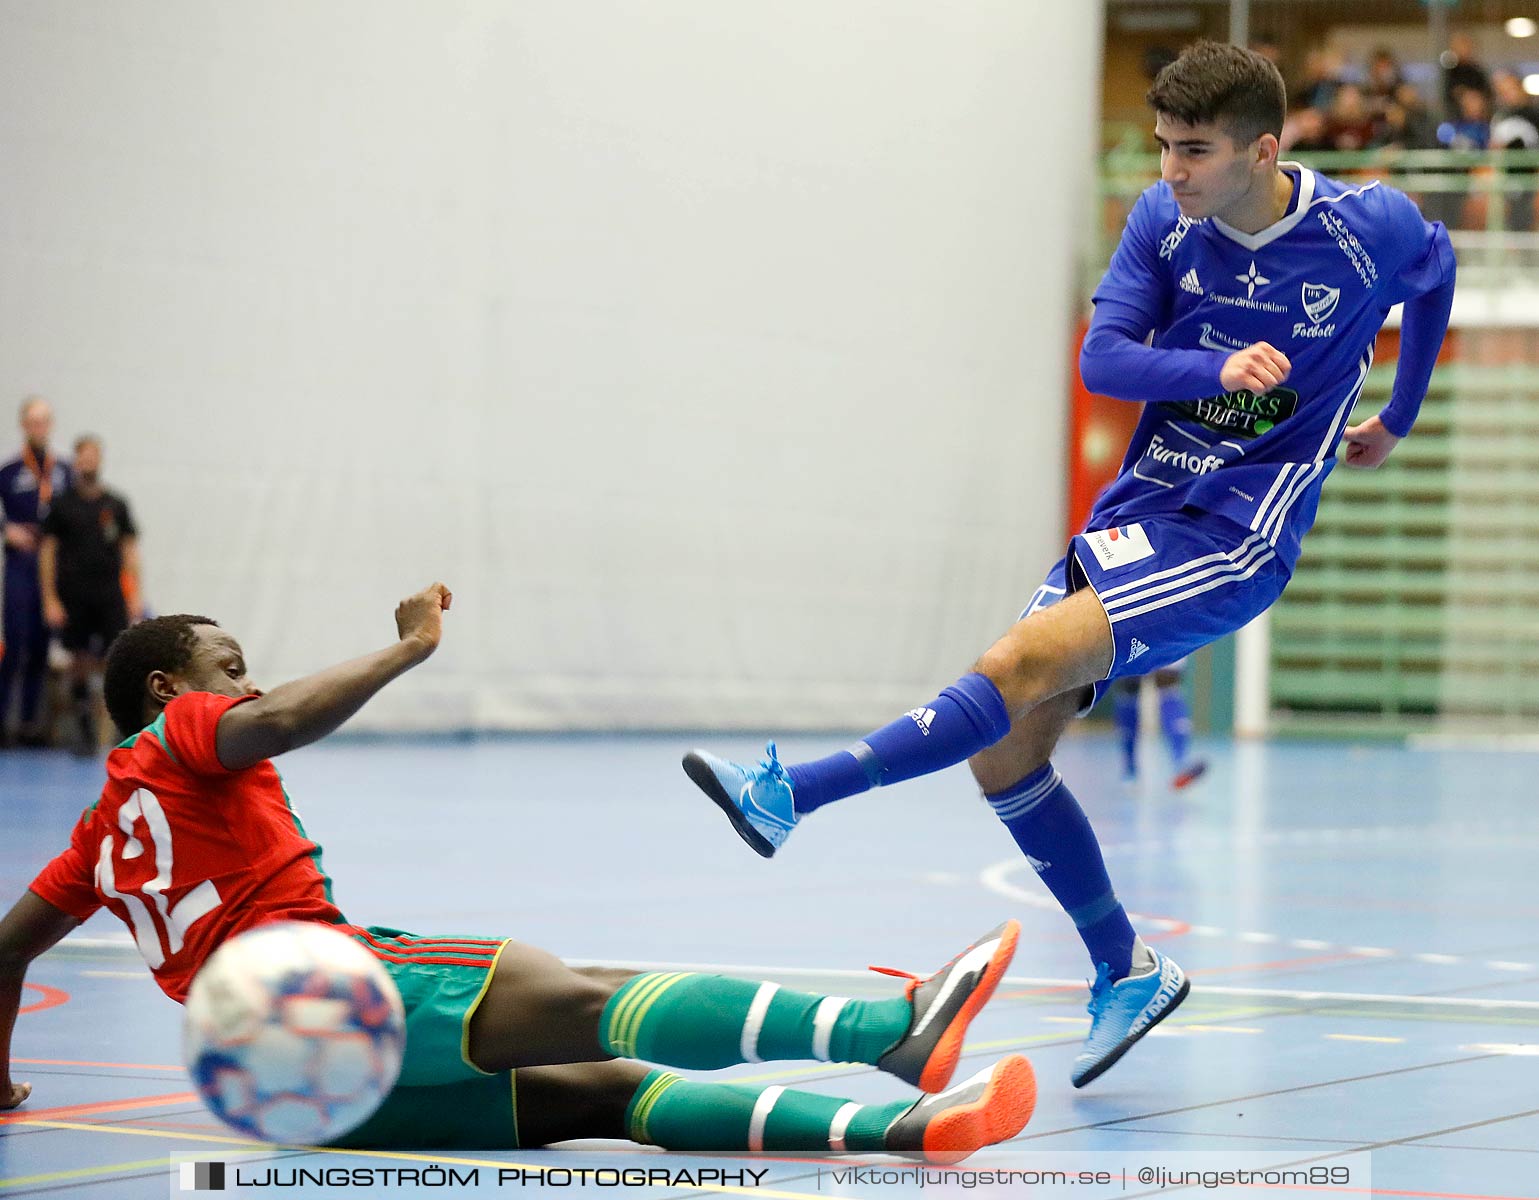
1176, 721
967, 717
1125, 715
1049, 826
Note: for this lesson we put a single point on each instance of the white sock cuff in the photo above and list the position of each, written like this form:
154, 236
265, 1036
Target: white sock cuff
754, 1023
761, 1111
823, 1021
841, 1125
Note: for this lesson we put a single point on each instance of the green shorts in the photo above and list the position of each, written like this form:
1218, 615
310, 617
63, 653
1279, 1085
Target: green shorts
475, 1114
442, 1099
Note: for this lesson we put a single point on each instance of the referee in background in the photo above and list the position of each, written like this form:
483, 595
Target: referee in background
89, 564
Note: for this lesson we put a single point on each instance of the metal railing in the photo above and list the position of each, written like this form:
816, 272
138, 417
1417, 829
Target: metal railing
1476, 194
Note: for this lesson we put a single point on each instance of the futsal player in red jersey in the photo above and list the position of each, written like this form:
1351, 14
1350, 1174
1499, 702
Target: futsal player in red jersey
193, 840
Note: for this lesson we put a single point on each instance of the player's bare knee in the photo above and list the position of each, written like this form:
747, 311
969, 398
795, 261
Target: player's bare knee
618, 1079
557, 1103
1018, 672
586, 998
614, 978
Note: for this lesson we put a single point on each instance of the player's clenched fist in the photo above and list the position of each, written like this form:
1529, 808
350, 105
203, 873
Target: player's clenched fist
420, 617
1257, 368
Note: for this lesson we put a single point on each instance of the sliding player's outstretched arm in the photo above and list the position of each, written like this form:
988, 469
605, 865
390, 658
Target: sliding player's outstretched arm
30, 928
306, 710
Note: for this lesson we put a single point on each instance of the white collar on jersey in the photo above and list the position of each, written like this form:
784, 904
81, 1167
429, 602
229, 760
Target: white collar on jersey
1254, 241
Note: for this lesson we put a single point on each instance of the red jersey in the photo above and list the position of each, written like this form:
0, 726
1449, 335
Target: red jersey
185, 852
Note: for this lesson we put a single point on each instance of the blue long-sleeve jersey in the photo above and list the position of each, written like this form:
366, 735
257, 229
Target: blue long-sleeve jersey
1317, 285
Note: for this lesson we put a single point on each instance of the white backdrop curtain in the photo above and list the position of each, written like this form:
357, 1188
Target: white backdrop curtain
715, 353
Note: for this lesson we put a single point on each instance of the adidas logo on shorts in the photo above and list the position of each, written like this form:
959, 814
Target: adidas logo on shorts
1137, 650
1190, 283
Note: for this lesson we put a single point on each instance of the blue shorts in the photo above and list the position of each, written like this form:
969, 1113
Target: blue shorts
1170, 584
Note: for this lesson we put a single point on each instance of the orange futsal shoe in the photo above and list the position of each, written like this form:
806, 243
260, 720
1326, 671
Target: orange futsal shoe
991, 1107
926, 1056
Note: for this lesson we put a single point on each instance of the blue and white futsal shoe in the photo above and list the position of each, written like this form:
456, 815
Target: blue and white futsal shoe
1122, 1012
757, 800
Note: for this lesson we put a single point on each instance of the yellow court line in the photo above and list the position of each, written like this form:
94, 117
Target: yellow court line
1035, 1039
1223, 1014
1464, 1018
795, 1072
435, 1159
81, 1173
44, 1123
75, 1062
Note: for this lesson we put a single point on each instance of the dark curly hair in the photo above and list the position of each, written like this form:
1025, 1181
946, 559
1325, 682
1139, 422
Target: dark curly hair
159, 644
1220, 84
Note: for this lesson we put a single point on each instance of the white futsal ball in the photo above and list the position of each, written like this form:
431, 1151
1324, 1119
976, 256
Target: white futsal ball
294, 1033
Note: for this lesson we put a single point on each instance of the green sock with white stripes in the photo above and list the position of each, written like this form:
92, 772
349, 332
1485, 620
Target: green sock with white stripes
681, 1114
710, 1021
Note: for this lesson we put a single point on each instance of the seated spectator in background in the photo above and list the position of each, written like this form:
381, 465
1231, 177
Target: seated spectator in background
1304, 132
1384, 80
1471, 128
89, 559
1468, 131
1407, 124
1350, 123
28, 484
1317, 88
1515, 126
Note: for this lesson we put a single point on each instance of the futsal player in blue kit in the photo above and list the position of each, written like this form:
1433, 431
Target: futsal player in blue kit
1240, 309
1175, 723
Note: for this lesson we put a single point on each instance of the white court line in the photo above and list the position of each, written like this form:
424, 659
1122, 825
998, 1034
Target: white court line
996, 878
1022, 981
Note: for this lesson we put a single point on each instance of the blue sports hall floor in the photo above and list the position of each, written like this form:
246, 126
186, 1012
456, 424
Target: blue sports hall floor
1361, 924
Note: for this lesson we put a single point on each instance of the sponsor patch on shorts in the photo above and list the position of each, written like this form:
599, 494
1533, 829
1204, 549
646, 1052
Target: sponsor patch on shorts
1119, 546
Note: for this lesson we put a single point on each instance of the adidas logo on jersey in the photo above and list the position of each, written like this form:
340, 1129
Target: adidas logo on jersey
1190, 283
1137, 650
921, 717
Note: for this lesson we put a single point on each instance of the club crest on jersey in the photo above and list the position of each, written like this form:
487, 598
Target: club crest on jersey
1319, 301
